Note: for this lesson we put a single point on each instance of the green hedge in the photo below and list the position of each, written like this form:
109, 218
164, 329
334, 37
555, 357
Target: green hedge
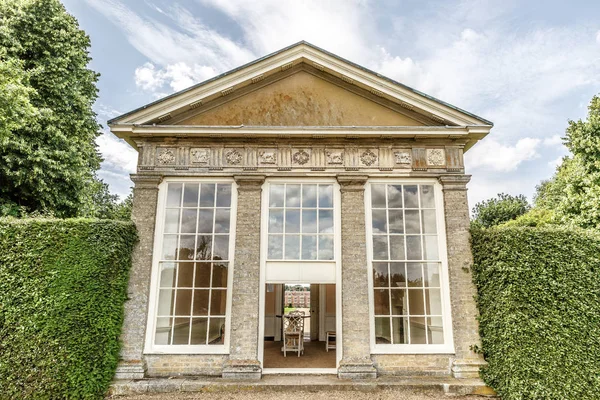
62, 288
539, 300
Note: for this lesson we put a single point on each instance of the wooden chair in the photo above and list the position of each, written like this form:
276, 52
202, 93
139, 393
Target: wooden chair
329, 344
293, 332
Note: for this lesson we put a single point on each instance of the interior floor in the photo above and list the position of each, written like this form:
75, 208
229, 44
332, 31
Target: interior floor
315, 356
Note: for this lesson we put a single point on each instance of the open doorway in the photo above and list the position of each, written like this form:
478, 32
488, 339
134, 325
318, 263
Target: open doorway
315, 306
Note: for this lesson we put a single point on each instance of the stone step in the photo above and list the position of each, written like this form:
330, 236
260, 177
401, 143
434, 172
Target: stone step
291, 383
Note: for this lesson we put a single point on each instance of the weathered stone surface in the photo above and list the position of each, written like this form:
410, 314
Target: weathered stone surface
356, 361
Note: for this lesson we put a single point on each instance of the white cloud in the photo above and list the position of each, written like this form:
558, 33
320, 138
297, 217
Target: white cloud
495, 156
117, 154
148, 78
598, 37
556, 162
179, 76
554, 140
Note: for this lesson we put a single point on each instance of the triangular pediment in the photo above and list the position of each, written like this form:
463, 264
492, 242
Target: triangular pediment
301, 99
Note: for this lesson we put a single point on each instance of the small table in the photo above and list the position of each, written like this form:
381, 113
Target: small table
329, 335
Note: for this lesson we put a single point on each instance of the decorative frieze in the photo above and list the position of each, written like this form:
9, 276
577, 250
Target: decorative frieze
233, 156
199, 156
368, 158
436, 157
335, 157
267, 157
403, 157
165, 156
300, 157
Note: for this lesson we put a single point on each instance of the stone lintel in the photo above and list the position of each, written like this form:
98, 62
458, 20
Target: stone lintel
242, 370
350, 183
357, 369
249, 181
142, 181
130, 370
454, 182
467, 368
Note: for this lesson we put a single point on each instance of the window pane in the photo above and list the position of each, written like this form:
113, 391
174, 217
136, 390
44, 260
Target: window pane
186, 247
221, 247
309, 247
166, 300
174, 195
169, 247
415, 302
292, 221
216, 333
200, 306
435, 330
380, 221
427, 196
381, 301
413, 224
190, 195
378, 196
411, 198
219, 277
415, 275
199, 328
325, 247
399, 302
432, 275
382, 331
181, 331
276, 195
202, 279
204, 247
429, 223
398, 274
325, 196
309, 221
162, 333
325, 221
185, 274
431, 247
309, 195
399, 328
380, 275
380, 247
292, 247
396, 221
413, 247
394, 196
397, 247
207, 195
183, 302
417, 330
433, 301
171, 221
275, 221
223, 195
292, 196
167, 275
188, 220
222, 220
218, 302
275, 247
205, 221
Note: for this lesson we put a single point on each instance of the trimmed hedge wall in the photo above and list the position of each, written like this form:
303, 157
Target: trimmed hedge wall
539, 300
62, 288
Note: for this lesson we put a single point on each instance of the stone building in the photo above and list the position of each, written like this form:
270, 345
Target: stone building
300, 168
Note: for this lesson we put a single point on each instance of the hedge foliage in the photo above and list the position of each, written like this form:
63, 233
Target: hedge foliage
539, 300
62, 288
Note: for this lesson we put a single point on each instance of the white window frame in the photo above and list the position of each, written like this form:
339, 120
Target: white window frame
150, 347
448, 346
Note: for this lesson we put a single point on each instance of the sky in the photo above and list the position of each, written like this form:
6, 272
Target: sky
527, 65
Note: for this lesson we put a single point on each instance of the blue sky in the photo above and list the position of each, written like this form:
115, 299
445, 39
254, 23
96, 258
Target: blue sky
528, 66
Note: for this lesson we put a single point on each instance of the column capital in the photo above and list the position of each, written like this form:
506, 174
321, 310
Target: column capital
249, 182
352, 183
142, 181
454, 182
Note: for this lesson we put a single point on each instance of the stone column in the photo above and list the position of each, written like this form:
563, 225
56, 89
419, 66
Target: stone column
356, 360
243, 357
462, 289
133, 333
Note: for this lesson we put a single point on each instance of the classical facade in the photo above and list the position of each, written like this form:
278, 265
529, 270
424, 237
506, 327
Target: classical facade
300, 168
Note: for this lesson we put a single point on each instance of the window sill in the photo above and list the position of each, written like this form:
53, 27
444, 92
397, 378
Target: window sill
185, 350
412, 349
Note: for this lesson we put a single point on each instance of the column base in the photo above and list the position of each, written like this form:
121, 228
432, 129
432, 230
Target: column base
242, 370
130, 370
363, 369
467, 368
